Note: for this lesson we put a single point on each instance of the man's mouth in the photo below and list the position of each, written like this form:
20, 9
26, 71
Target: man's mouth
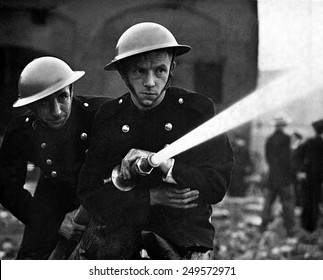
58, 121
149, 94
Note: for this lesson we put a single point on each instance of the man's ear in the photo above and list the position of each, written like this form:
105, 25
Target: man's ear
173, 66
72, 90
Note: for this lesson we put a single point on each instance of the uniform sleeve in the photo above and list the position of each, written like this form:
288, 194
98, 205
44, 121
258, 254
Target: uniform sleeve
206, 167
13, 166
103, 200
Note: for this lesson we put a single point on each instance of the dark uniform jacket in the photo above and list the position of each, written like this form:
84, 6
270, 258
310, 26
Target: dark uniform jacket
278, 156
58, 153
120, 126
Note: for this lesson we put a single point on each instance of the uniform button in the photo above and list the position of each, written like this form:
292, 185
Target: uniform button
54, 174
125, 128
168, 126
43, 145
86, 104
180, 101
49, 161
27, 119
83, 136
120, 101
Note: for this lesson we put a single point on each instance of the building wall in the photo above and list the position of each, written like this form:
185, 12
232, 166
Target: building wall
223, 35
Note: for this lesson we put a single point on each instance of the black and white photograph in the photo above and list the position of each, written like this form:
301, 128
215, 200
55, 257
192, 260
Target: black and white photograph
150, 130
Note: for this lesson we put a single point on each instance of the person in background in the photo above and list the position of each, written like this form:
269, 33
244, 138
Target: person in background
54, 134
312, 186
136, 125
297, 148
278, 156
242, 167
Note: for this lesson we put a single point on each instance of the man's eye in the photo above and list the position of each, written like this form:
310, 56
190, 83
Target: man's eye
139, 71
63, 97
161, 71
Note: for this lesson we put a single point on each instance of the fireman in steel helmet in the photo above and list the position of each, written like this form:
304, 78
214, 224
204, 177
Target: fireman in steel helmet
150, 40
46, 87
141, 122
54, 135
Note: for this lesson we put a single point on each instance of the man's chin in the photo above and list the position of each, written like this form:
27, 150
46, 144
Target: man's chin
54, 125
147, 103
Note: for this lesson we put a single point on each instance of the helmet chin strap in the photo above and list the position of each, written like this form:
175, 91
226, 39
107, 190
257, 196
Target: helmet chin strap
171, 73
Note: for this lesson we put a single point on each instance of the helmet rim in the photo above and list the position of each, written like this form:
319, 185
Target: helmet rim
179, 50
153, 36
22, 101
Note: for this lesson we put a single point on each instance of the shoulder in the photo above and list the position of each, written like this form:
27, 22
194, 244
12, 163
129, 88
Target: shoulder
113, 107
21, 122
91, 103
195, 101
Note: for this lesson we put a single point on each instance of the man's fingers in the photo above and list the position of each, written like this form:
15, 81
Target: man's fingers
78, 227
183, 195
125, 169
180, 190
183, 201
184, 206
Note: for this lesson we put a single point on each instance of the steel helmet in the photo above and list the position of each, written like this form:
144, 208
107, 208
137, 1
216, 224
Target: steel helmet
145, 37
42, 77
281, 121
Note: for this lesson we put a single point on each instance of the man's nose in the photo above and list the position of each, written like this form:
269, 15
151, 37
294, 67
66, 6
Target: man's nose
56, 108
149, 80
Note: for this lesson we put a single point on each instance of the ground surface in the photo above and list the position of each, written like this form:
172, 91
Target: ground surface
237, 235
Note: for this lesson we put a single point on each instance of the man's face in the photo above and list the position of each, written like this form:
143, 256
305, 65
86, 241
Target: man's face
147, 75
55, 109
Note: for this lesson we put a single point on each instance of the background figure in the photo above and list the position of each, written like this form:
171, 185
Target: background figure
241, 168
54, 135
312, 187
277, 152
297, 150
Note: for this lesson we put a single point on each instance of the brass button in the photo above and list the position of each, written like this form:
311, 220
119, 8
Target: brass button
43, 145
120, 101
83, 136
125, 128
86, 104
168, 126
54, 174
49, 161
180, 101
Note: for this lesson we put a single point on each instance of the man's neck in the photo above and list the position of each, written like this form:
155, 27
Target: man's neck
153, 105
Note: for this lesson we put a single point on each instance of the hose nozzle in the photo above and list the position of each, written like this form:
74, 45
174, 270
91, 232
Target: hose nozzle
143, 166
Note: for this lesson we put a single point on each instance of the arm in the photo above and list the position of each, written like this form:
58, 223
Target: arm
174, 198
13, 164
206, 168
101, 198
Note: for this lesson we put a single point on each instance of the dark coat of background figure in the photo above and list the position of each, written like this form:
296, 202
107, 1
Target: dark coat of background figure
278, 156
312, 155
59, 154
242, 167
